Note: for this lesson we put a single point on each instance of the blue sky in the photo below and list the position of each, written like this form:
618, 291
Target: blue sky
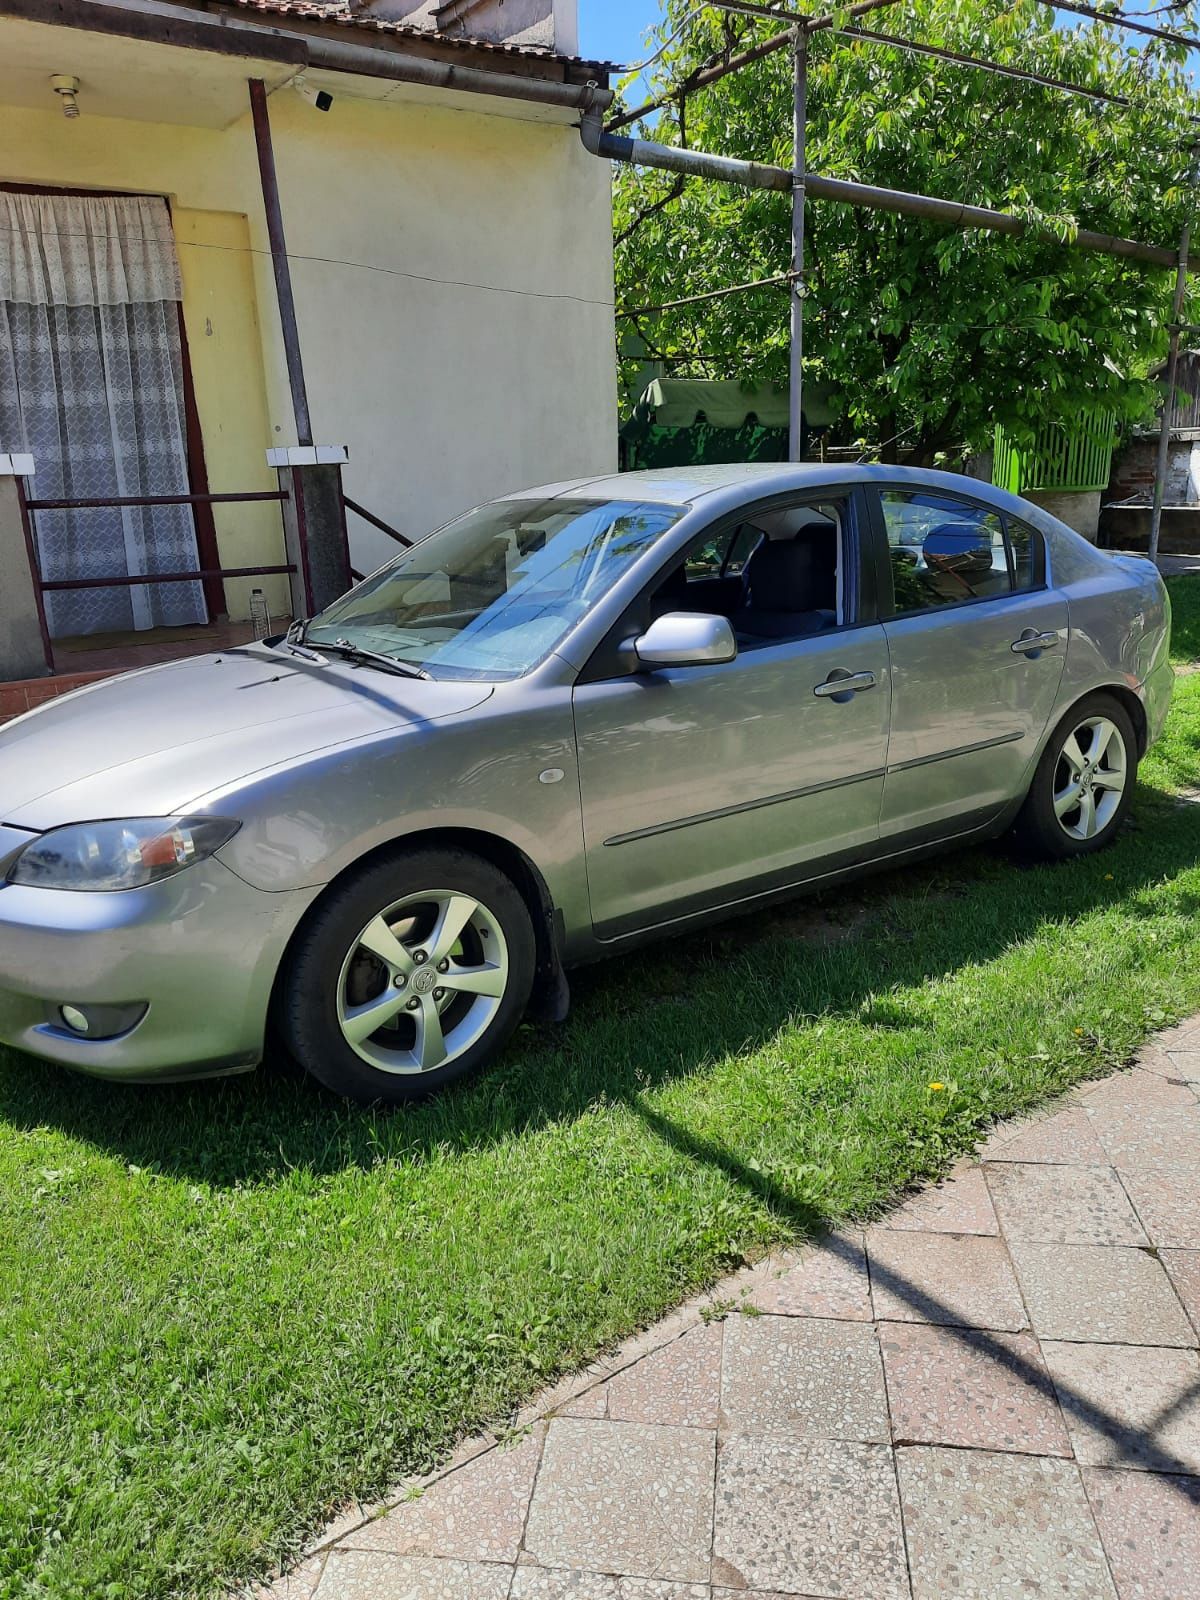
612, 30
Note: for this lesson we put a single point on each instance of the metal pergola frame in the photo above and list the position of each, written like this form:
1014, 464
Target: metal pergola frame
605, 141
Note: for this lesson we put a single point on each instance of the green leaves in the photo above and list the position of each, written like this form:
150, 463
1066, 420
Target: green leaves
929, 333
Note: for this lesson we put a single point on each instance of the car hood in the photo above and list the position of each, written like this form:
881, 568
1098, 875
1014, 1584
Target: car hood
149, 743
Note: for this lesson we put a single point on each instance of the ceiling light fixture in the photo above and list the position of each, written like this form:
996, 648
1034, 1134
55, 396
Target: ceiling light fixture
66, 88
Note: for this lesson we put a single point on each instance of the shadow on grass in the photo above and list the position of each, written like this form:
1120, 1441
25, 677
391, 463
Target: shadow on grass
635, 1024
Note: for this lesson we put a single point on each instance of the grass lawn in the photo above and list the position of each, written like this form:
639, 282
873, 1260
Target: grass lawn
225, 1307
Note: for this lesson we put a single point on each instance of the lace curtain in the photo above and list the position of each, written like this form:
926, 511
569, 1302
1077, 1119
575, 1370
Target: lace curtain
91, 383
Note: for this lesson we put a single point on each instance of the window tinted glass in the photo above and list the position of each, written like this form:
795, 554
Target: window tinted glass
943, 551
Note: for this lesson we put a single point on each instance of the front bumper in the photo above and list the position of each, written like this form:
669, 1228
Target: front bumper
201, 949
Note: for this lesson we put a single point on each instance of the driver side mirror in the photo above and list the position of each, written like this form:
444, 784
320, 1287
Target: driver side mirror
686, 639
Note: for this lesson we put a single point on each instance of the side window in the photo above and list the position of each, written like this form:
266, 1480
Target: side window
944, 551
724, 556
1028, 555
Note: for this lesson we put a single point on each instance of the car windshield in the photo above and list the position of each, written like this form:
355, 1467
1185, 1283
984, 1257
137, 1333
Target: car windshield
492, 593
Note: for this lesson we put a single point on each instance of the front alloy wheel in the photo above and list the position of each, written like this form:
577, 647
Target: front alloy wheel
422, 982
410, 972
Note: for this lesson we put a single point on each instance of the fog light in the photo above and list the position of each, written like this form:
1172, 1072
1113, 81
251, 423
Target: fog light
96, 1022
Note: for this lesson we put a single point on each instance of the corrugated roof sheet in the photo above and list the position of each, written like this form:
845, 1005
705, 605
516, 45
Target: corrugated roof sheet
363, 22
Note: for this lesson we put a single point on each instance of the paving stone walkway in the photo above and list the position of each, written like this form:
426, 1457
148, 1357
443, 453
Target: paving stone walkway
994, 1392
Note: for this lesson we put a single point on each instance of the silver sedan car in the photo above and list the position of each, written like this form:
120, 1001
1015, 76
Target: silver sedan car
573, 719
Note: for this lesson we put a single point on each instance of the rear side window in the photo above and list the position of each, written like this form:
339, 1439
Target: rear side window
944, 551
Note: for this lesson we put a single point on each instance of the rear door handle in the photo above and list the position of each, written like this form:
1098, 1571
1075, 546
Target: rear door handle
842, 686
1031, 640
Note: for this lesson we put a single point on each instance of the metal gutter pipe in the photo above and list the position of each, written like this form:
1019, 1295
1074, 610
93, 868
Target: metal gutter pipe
227, 35
754, 175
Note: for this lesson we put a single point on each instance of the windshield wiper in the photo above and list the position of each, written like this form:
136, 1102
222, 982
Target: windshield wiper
374, 658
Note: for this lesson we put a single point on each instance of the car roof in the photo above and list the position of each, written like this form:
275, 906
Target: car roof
679, 486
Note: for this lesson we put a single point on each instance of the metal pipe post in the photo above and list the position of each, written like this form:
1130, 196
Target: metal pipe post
1164, 432
796, 356
279, 259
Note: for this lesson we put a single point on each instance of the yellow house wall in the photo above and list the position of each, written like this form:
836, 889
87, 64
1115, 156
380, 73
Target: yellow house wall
221, 320
453, 281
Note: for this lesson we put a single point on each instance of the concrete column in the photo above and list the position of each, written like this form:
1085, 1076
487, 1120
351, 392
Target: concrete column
23, 654
1078, 509
314, 523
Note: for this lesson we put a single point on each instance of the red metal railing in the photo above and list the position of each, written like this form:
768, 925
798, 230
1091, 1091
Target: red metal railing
376, 522
43, 586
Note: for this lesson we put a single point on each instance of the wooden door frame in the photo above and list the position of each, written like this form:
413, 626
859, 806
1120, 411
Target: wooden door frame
197, 469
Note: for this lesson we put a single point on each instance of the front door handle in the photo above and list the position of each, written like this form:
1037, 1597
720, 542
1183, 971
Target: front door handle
841, 686
1032, 642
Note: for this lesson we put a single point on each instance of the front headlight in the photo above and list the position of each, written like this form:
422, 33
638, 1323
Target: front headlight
119, 855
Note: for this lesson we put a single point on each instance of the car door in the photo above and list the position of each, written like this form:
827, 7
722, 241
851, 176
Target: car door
704, 785
977, 640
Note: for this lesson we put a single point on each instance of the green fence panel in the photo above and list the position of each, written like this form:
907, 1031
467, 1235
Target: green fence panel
1065, 460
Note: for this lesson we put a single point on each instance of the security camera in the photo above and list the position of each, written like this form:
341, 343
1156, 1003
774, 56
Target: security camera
321, 98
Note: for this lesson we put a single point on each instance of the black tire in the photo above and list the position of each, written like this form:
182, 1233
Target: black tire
328, 959
1039, 831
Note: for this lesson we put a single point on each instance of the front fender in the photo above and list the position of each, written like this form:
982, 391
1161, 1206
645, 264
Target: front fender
306, 822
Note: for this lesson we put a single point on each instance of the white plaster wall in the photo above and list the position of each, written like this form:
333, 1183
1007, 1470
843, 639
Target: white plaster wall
453, 277
473, 343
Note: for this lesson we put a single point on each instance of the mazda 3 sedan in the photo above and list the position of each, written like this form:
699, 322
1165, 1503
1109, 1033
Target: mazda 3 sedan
576, 718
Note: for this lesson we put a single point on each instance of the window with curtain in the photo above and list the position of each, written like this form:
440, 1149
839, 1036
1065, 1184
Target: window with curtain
91, 384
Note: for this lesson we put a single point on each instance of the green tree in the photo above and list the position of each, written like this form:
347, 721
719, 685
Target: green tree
929, 335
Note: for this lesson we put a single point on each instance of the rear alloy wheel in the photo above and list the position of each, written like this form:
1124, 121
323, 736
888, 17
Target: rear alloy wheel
411, 974
1084, 782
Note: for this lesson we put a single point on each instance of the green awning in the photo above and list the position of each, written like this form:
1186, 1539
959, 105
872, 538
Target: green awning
681, 402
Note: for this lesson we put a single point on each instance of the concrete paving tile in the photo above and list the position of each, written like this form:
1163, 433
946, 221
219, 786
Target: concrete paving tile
807, 1377
943, 1277
1168, 1201
1129, 1407
1162, 1062
680, 1384
1183, 1269
1150, 1526
1064, 1205
378, 1575
981, 1525
298, 1584
474, 1514
827, 1278
1099, 1294
1158, 1136
1183, 1035
1066, 1138
538, 1583
815, 1517
592, 1403
959, 1205
624, 1498
958, 1386
1185, 1064
1136, 1090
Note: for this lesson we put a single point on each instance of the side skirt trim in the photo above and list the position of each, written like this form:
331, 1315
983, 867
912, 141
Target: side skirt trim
810, 789
746, 805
